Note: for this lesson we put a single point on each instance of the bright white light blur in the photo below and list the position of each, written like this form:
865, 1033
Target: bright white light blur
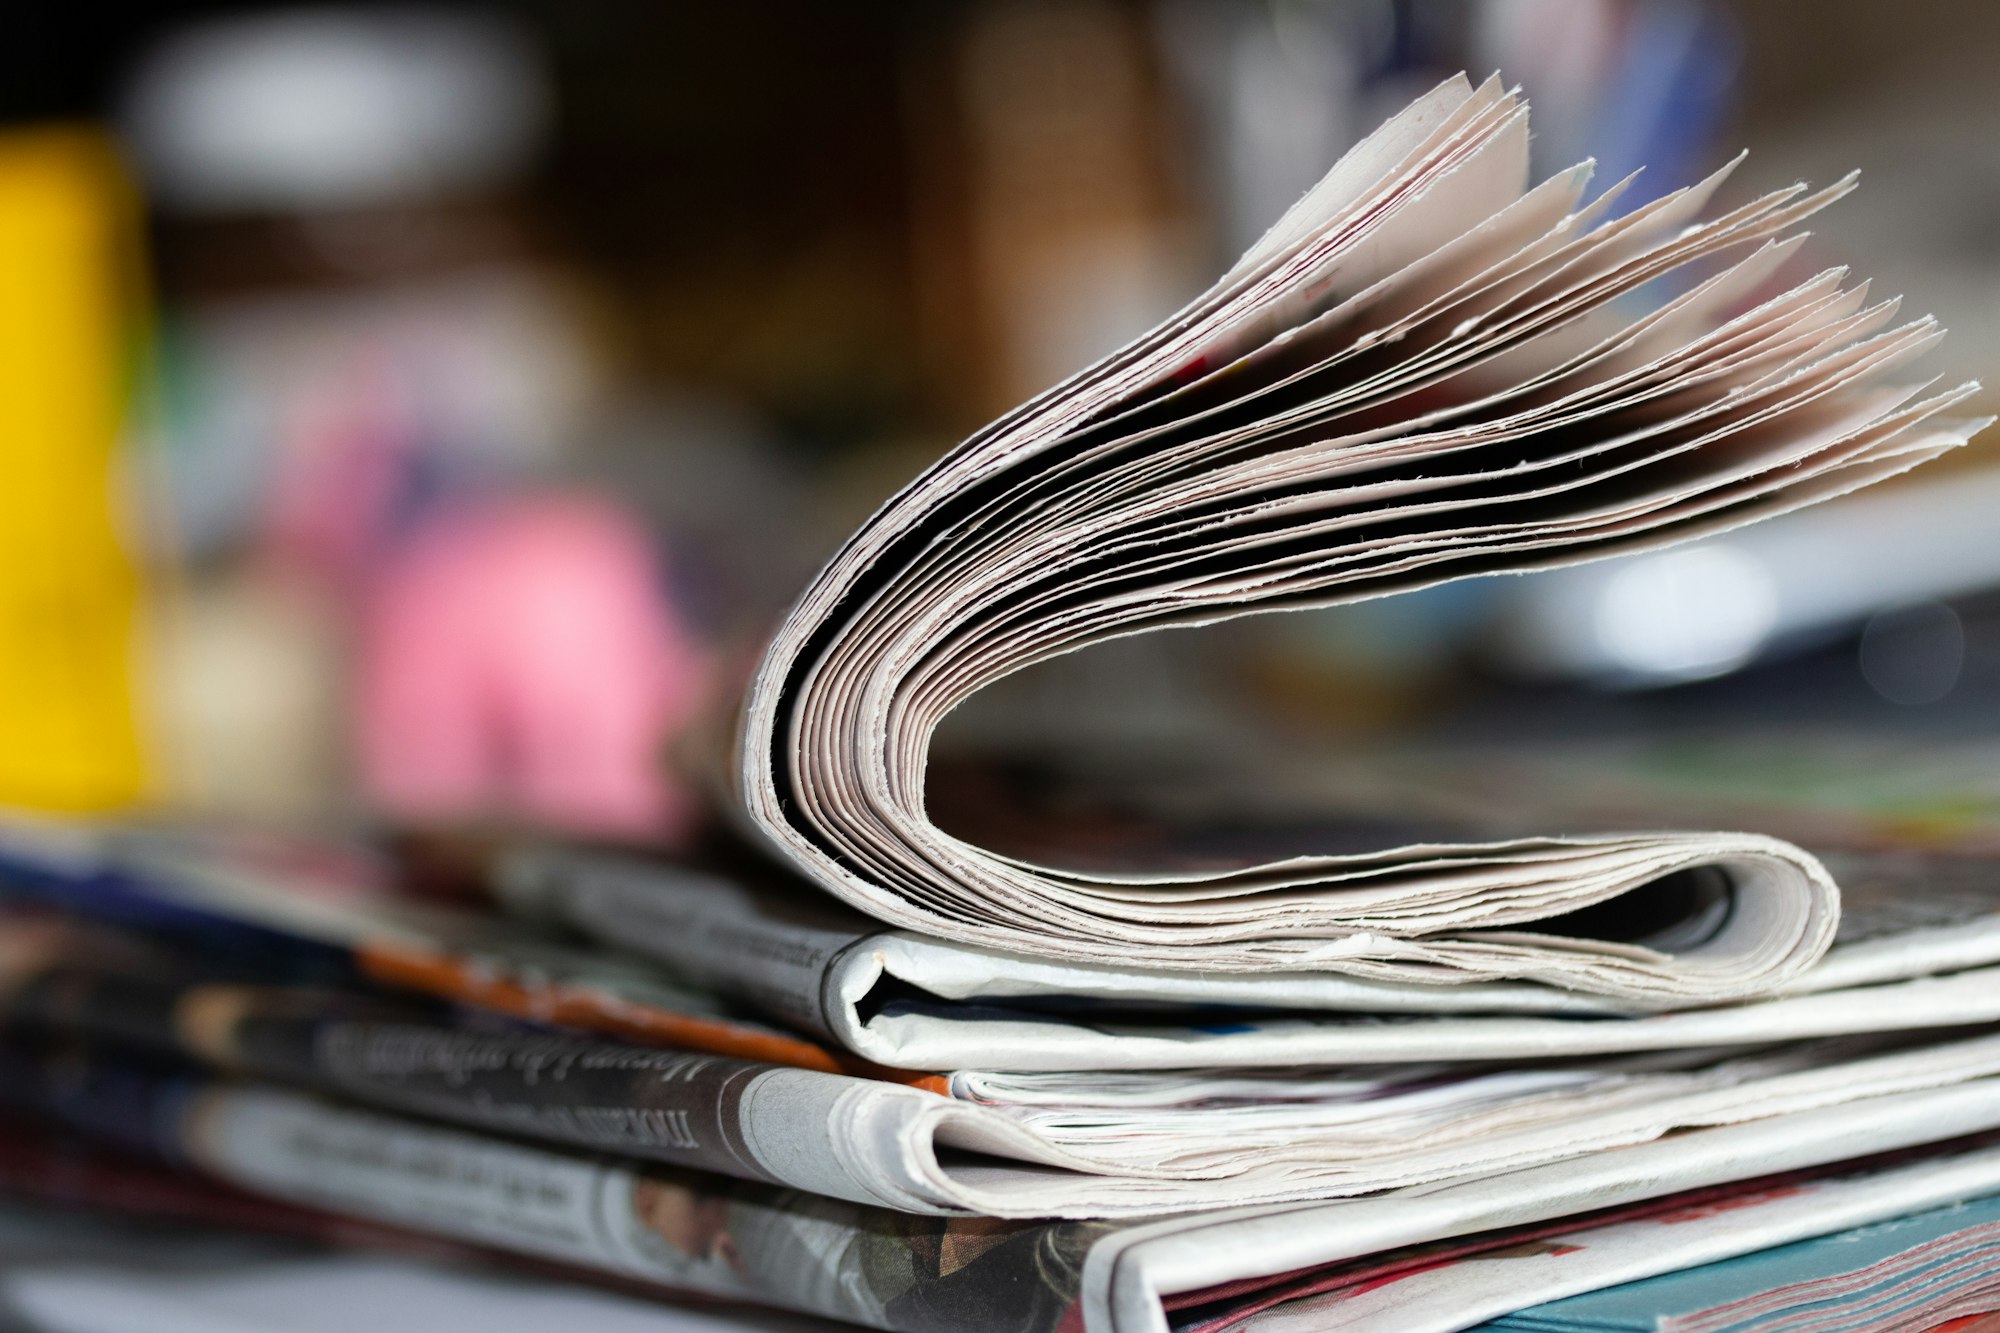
1827, 570
1685, 614
335, 108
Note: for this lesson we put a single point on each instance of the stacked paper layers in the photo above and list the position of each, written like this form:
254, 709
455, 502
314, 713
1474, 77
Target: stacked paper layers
896, 1076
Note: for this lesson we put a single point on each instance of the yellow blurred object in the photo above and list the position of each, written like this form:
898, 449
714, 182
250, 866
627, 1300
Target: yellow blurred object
69, 589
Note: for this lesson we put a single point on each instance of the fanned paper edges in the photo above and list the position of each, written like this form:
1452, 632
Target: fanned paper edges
1418, 374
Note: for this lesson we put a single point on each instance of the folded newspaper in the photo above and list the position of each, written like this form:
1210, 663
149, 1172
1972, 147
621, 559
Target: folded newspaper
1424, 370
699, 961
998, 1145
1839, 1251
1200, 1086
1633, 1212
1918, 946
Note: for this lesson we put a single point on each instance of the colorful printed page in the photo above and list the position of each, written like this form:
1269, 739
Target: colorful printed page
1909, 1272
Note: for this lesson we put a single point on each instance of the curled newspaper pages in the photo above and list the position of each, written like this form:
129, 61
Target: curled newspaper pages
1423, 371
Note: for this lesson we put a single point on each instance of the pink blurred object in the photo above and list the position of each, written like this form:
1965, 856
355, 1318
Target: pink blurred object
518, 659
348, 450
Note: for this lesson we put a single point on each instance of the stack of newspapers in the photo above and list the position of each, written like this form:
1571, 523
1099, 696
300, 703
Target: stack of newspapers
1150, 1075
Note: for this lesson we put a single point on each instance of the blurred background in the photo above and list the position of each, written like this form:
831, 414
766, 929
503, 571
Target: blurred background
423, 410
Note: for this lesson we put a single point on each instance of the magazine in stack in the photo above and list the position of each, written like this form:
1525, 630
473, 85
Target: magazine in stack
899, 1077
